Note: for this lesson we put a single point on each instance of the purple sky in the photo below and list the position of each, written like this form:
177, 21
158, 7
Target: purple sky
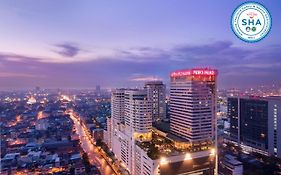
79, 44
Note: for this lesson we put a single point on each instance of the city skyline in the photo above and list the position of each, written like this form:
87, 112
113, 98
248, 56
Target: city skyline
140, 87
80, 45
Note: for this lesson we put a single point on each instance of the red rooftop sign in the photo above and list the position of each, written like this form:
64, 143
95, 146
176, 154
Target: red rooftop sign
193, 72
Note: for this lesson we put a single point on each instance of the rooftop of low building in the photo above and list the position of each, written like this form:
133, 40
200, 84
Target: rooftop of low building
165, 146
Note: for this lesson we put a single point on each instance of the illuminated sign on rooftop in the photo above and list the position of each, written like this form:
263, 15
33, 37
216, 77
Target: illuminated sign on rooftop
193, 72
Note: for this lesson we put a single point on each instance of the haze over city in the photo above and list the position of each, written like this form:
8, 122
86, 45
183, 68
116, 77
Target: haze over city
71, 44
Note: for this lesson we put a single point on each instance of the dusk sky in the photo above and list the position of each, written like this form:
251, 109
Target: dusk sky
79, 44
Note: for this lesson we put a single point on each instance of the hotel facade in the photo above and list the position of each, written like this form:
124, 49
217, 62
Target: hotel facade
188, 148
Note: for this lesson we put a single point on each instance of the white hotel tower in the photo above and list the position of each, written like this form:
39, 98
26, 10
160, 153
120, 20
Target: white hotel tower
117, 105
131, 121
156, 92
193, 104
138, 116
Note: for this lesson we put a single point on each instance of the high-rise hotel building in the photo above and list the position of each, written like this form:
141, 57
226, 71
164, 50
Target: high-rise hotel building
117, 115
131, 121
193, 104
138, 117
156, 92
117, 105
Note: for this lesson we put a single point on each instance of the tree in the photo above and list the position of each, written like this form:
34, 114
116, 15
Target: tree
86, 162
72, 170
99, 142
153, 152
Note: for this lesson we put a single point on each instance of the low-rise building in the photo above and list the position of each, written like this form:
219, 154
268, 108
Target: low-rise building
229, 165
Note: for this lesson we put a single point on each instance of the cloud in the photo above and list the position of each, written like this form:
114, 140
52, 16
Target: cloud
237, 66
205, 49
259, 65
18, 58
12, 57
142, 54
68, 49
19, 75
145, 78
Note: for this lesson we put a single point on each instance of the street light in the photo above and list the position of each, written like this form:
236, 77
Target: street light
187, 157
163, 161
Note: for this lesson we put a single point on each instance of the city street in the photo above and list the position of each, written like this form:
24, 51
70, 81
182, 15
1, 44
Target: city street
90, 149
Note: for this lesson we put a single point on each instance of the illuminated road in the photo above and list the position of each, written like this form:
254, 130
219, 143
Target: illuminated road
90, 149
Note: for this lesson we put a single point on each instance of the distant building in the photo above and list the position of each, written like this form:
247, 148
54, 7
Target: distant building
37, 89
254, 124
79, 168
9, 160
31, 100
229, 165
98, 90
61, 146
156, 93
42, 124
